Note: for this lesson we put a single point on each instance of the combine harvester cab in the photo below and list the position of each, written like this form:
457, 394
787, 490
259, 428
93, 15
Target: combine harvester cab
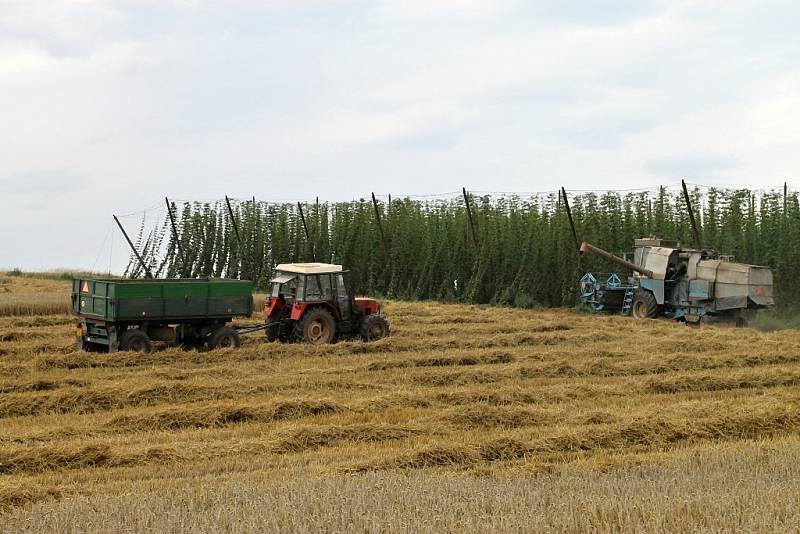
684, 284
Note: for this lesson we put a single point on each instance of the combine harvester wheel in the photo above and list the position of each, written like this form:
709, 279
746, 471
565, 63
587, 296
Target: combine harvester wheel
644, 305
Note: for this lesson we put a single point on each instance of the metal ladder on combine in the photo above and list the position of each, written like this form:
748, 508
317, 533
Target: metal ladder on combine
628, 301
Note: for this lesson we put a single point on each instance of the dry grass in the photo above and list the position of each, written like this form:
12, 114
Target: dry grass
467, 418
20, 296
258, 303
747, 488
21, 304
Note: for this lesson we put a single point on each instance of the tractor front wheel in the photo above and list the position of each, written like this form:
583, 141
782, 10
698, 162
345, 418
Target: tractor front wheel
374, 327
644, 305
316, 327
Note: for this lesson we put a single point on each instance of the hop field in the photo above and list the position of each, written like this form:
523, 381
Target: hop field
467, 418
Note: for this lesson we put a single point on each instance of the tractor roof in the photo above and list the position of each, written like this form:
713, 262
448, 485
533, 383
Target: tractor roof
309, 268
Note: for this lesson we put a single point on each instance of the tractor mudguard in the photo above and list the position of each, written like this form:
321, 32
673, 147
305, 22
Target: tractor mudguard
367, 305
273, 307
299, 309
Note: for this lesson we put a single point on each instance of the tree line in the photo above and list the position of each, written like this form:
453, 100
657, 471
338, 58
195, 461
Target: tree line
522, 251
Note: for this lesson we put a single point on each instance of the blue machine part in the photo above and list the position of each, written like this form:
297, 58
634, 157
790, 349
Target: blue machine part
654, 286
591, 292
700, 289
606, 292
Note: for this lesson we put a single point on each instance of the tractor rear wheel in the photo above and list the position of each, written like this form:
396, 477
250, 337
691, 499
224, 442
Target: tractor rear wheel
374, 327
316, 327
644, 305
135, 340
273, 332
224, 337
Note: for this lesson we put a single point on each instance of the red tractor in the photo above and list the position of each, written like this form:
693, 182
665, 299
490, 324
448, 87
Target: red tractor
309, 302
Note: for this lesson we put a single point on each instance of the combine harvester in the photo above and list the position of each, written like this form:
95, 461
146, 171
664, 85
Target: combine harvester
698, 286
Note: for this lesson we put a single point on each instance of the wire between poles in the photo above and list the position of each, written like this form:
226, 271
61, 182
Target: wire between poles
453, 195
102, 246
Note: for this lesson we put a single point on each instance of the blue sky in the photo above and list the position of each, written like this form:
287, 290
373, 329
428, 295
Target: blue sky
110, 106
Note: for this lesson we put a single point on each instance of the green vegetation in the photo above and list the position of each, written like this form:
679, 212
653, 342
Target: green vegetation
772, 320
525, 255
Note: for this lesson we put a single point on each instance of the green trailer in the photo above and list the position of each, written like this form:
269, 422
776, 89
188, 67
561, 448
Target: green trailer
130, 314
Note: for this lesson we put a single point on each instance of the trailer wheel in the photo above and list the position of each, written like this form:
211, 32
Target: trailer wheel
374, 327
644, 305
135, 341
316, 327
224, 337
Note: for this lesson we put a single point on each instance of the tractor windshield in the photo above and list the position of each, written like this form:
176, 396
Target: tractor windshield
318, 287
285, 284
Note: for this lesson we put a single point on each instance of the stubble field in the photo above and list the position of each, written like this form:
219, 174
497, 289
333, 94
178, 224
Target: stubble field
467, 418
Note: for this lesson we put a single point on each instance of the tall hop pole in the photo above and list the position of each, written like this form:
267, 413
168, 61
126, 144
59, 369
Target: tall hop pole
469, 218
148, 274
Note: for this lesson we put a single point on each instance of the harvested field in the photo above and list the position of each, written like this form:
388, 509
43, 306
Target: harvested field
692, 491
509, 419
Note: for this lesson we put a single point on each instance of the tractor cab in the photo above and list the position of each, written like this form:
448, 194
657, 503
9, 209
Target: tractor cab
310, 302
299, 284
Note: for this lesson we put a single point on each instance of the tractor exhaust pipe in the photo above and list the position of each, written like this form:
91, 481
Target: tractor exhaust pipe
588, 247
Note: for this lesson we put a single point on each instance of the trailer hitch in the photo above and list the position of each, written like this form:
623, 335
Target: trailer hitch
255, 328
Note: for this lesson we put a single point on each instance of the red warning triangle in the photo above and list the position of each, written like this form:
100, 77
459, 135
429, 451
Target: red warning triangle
85, 287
